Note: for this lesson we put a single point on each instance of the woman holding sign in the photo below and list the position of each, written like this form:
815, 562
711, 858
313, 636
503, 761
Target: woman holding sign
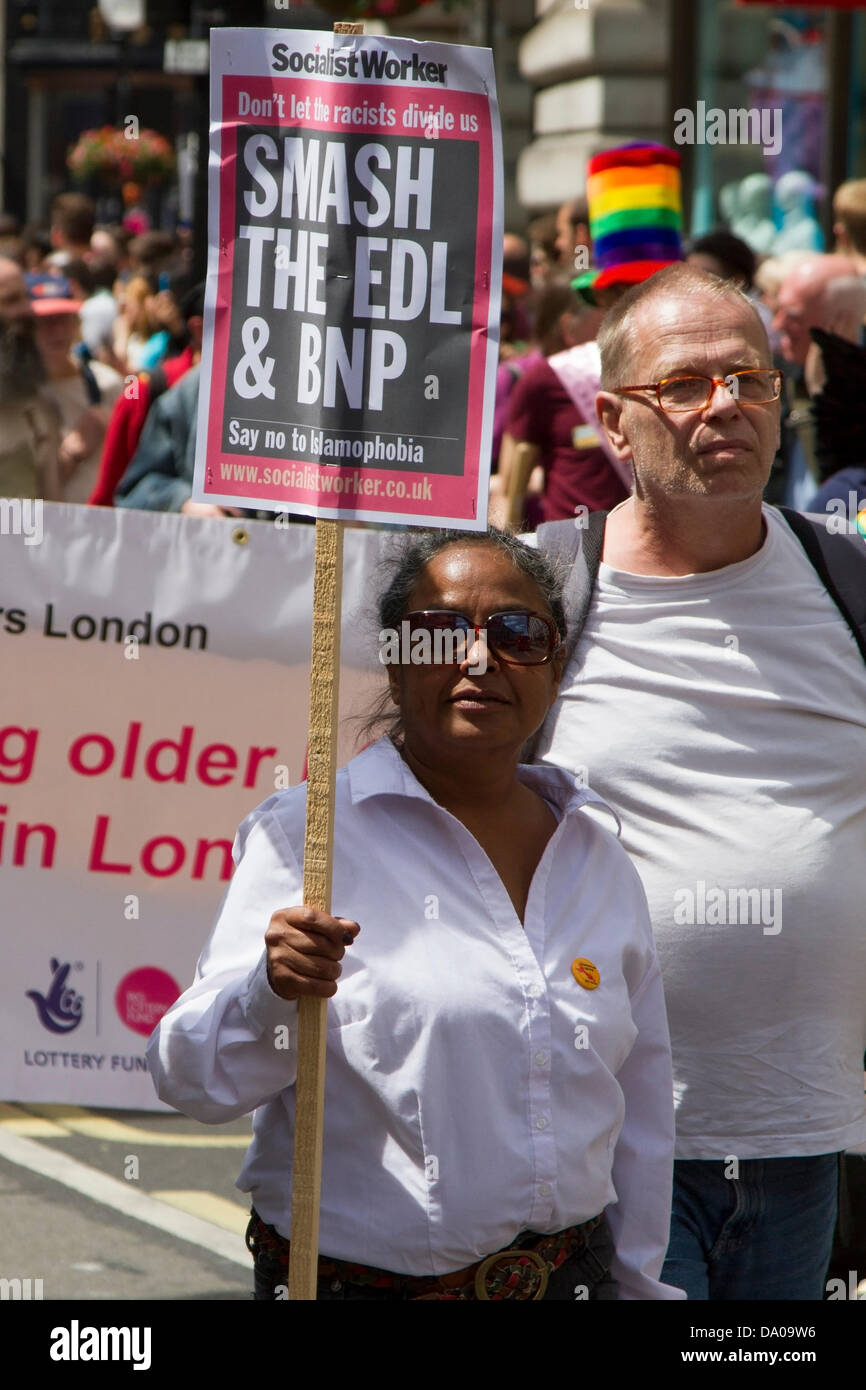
498, 1108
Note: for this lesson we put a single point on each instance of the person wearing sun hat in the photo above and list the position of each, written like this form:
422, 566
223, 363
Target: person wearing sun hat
83, 389
51, 294
635, 220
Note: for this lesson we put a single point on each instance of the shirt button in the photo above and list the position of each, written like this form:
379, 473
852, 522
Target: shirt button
535, 991
541, 1059
541, 1123
544, 1189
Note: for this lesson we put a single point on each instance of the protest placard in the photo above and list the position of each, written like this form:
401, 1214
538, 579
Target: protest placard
351, 332
350, 351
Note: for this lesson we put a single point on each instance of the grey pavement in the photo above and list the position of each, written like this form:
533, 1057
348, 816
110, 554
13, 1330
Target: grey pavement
83, 1249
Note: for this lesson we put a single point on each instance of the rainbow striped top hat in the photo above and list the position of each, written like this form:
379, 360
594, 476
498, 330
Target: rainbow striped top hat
635, 215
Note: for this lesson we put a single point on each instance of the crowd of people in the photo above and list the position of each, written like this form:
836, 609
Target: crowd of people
812, 304
95, 326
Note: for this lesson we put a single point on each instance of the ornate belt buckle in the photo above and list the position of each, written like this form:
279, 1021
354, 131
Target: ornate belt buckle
534, 1258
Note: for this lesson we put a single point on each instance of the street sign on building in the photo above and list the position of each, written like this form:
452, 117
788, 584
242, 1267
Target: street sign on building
186, 55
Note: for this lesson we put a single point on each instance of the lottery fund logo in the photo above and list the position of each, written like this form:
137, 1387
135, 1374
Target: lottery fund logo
861, 522
143, 996
61, 1009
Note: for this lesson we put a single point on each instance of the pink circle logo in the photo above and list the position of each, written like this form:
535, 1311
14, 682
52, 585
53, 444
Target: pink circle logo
143, 996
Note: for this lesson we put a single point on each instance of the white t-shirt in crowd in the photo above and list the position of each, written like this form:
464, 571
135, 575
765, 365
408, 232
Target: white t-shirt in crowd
723, 716
97, 316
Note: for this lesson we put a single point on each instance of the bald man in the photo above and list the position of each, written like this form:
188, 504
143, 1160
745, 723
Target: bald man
29, 423
824, 292
821, 310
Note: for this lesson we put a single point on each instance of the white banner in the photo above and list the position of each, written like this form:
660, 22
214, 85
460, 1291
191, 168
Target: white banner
153, 689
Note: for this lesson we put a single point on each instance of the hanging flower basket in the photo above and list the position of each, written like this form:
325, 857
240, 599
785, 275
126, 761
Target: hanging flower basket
93, 156
109, 156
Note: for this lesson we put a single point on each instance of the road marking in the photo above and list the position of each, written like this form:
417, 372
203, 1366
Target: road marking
121, 1196
75, 1120
218, 1210
13, 1118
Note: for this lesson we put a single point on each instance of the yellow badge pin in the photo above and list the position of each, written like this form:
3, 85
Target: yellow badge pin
585, 973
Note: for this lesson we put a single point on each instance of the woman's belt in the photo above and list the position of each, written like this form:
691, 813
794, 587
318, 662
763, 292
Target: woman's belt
521, 1271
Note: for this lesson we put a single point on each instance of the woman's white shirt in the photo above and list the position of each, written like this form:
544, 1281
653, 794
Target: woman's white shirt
474, 1089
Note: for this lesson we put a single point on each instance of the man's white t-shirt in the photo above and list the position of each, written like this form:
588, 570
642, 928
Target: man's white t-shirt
723, 715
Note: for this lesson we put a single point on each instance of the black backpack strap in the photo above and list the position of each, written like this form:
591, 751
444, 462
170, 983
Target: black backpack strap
839, 559
577, 548
157, 382
91, 385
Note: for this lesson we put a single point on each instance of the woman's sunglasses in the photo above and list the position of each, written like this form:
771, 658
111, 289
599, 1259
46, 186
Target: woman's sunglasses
519, 637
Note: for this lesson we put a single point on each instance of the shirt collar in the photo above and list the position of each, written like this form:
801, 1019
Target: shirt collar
380, 771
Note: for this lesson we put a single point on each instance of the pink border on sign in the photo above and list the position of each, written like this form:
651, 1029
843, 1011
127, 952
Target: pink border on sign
448, 495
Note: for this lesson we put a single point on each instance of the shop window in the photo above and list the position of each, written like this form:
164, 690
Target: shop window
760, 121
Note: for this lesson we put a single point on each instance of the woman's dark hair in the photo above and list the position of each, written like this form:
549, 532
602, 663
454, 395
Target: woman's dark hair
37, 239
103, 273
80, 271
736, 257
405, 565
192, 301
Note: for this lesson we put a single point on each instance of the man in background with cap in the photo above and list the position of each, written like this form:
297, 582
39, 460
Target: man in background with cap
29, 423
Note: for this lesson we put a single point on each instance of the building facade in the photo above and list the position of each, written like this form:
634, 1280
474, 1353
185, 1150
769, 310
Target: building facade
67, 68
573, 76
764, 100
